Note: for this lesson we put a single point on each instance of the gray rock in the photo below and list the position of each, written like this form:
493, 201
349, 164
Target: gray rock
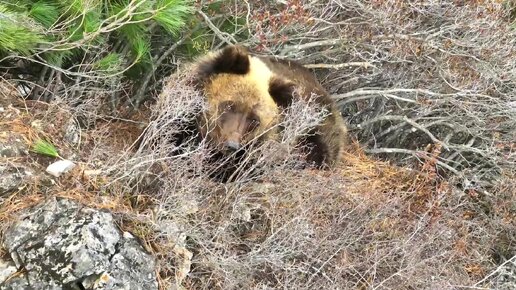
60, 167
12, 177
72, 132
63, 245
13, 148
7, 268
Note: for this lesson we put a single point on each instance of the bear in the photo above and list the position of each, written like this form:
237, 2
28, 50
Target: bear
246, 95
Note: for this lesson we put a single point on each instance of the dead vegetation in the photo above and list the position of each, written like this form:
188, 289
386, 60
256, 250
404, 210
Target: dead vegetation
407, 74
367, 224
429, 85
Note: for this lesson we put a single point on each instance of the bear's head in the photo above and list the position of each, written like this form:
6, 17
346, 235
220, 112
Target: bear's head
242, 96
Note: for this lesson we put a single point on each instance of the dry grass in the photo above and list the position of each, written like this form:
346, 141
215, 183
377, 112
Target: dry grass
427, 84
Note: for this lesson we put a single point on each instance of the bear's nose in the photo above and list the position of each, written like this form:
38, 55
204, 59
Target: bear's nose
232, 145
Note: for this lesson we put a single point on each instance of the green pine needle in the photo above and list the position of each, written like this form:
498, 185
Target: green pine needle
133, 31
57, 58
92, 21
18, 33
109, 63
56, 30
172, 14
45, 148
16, 38
74, 7
141, 49
137, 37
45, 13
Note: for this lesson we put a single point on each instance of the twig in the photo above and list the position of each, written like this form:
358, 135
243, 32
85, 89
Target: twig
407, 120
327, 42
343, 101
415, 153
221, 35
140, 94
511, 260
360, 92
341, 65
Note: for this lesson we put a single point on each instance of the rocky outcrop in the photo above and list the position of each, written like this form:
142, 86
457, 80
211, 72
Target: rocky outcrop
12, 147
13, 177
61, 244
12, 174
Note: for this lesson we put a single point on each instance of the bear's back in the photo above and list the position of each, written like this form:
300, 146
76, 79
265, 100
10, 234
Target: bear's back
297, 73
330, 137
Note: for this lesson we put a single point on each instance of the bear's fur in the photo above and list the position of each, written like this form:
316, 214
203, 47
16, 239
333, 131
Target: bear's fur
240, 108
246, 95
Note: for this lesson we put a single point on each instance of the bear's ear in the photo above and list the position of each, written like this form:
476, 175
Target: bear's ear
281, 91
232, 59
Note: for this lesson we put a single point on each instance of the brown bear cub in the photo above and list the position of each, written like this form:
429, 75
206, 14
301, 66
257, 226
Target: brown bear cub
246, 95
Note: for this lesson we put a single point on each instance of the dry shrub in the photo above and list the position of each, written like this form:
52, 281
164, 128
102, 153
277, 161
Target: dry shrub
178, 174
366, 224
428, 81
407, 74
7, 92
315, 229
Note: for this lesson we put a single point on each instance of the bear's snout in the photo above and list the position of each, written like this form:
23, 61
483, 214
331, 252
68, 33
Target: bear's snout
232, 145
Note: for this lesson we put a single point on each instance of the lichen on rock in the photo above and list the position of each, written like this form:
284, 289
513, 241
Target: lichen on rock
61, 244
12, 177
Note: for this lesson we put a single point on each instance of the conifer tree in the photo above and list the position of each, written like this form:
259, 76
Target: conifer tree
85, 43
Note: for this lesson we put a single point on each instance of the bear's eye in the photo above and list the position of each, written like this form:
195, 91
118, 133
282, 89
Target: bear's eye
228, 107
253, 123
